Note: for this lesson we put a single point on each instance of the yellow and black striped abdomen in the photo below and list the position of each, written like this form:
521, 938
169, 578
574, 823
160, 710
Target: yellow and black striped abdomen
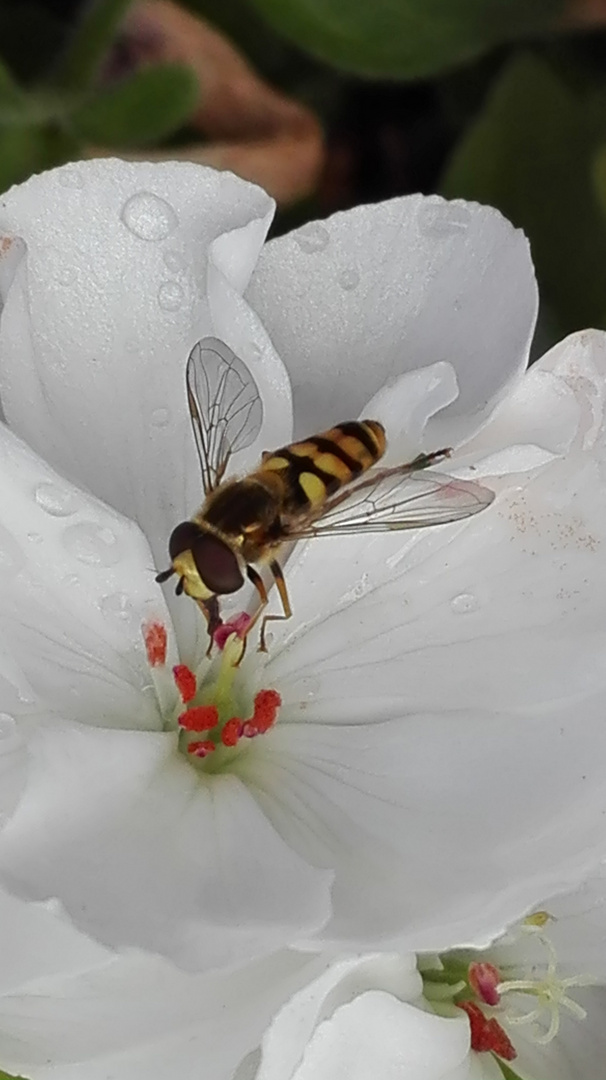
317, 467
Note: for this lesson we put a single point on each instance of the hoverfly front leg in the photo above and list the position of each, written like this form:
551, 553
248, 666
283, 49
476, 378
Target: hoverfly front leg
210, 610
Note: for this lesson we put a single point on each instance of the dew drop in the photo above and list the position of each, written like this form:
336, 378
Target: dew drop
92, 544
71, 177
59, 502
255, 350
117, 606
160, 418
174, 262
349, 279
312, 237
438, 219
170, 296
35, 537
464, 604
71, 581
148, 216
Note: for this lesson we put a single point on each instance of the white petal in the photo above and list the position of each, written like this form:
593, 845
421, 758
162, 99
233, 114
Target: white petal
76, 584
285, 1042
353, 302
141, 850
378, 1036
405, 405
128, 265
137, 1018
435, 824
461, 663
38, 942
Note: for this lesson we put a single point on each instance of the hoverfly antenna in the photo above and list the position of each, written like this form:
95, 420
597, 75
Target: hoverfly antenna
164, 576
179, 588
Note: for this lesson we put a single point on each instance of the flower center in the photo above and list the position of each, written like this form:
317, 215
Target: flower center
491, 1000
210, 715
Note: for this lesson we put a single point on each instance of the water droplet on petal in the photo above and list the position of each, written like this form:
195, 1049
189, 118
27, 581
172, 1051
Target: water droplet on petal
170, 296
71, 581
464, 604
92, 543
439, 219
160, 418
148, 216
8, 727
349, 279
117, 605
312, 237
60, 502
35, 537
255, 350
71, 176
65, 275
174, 262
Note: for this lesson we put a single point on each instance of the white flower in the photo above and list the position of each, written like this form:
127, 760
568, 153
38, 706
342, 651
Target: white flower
436, 765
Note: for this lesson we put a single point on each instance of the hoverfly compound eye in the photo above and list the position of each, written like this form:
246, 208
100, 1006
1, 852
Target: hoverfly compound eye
183, 538
216, 564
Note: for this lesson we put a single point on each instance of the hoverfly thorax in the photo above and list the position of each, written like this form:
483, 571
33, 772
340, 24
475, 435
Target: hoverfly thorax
205, 564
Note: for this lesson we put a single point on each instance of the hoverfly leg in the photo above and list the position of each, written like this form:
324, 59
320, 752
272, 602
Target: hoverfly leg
210, 610
255, 578
276, 570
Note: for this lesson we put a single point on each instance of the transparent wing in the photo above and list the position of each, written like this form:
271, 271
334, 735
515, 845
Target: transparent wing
224, 404
396, 499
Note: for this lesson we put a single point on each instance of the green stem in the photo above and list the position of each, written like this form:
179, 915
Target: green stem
90, 42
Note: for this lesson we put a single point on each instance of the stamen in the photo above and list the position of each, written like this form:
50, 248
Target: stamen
231, 732
200, 718
186, 682
487, 1035
484, 979
154, 635
201, 749
267, 703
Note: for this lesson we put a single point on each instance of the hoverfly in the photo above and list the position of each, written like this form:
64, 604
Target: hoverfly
325, 485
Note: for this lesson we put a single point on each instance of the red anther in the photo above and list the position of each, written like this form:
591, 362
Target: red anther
487, 1035
154, 635
186, 682
238, 625
231, 732
201, 749
267, 703
484, 979
200, 718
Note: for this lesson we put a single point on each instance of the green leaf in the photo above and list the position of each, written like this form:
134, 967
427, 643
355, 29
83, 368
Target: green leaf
9, 1076
406, 38
10, 95
27, 149
89, 43
144, 108
531, 154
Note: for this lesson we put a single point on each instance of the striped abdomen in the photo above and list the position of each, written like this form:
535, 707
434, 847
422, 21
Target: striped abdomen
317, 467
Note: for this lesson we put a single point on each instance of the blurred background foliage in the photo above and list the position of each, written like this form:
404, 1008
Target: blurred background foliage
501, 101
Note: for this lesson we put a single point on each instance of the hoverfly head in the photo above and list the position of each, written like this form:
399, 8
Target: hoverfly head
206, 564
